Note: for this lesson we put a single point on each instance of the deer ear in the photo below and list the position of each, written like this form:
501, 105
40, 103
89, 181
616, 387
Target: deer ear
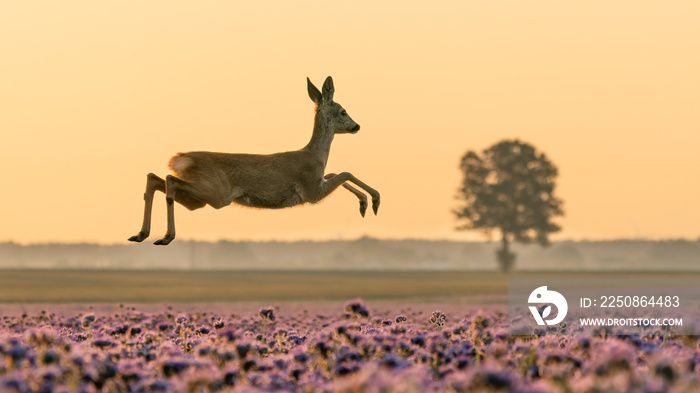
328, 89
314, 94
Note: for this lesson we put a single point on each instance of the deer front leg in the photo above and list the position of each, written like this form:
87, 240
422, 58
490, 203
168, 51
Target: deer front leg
333, 182
359, 194
153, 184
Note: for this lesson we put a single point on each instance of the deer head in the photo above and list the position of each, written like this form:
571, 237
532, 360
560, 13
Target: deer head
336, 118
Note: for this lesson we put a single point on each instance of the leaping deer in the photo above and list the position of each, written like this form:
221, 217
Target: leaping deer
272, 181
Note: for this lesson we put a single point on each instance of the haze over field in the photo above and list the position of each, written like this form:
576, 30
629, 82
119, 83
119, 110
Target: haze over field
97, 94
366, 254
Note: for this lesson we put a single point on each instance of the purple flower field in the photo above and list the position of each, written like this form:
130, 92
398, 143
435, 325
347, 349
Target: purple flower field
310, 347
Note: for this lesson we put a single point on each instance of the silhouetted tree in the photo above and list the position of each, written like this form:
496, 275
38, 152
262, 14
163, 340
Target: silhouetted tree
509, 188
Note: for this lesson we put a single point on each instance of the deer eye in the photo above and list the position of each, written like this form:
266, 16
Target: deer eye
343, 113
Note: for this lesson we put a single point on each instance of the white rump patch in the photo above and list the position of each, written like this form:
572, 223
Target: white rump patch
179, 164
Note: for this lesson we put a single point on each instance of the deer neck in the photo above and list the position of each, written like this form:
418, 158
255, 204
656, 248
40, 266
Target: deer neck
321, 138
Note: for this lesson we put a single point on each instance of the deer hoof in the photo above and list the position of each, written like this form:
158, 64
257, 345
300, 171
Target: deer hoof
363, 208
138, 238
375, 206
164, 241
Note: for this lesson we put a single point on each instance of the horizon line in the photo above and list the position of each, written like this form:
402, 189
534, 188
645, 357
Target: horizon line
353, 239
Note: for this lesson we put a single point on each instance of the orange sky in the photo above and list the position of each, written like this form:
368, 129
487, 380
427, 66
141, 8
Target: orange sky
94, 95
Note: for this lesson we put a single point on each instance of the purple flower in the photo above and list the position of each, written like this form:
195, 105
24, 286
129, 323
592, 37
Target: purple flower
438, 318
356, 307
267, 314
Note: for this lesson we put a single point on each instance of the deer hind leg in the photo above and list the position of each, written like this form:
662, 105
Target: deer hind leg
153, 184
359, 194
332, 182
183, 192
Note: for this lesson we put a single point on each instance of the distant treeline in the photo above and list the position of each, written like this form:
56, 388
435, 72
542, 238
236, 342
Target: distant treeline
362, 254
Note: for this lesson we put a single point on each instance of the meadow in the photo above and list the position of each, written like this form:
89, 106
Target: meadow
115, 331
226, 286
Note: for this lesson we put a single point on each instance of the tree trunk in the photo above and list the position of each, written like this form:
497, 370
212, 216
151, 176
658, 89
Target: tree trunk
505, 258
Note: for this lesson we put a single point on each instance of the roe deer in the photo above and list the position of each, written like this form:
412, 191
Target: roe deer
271, 181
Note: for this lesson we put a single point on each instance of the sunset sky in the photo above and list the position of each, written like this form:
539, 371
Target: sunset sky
94, 95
